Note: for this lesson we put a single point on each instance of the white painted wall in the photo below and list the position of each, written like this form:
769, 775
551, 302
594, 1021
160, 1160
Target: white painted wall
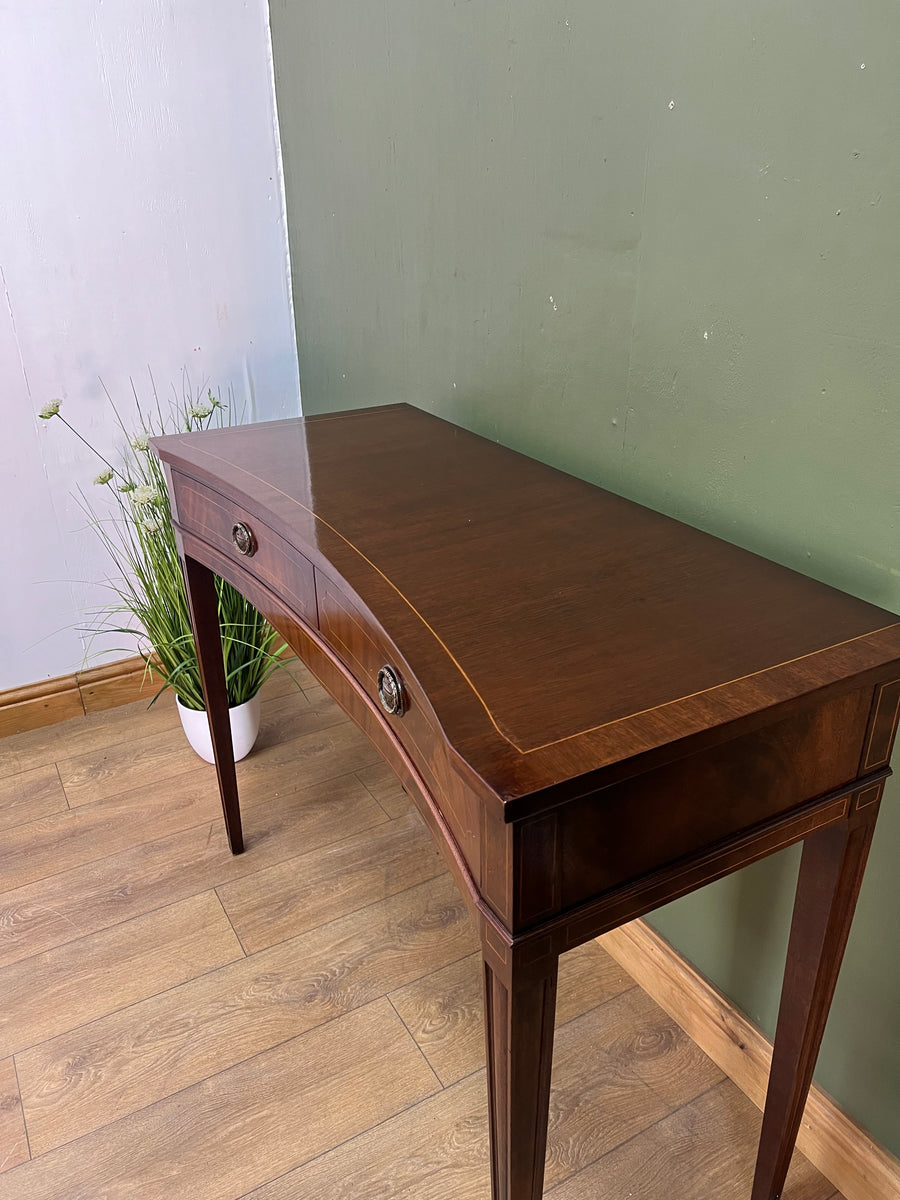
141, 224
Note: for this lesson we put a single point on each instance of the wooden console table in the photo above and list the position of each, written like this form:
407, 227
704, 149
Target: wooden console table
596, 709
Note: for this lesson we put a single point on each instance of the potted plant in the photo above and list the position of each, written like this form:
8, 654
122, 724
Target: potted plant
149, 600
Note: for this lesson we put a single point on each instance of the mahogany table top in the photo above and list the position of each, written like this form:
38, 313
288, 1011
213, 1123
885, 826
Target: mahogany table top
557, 629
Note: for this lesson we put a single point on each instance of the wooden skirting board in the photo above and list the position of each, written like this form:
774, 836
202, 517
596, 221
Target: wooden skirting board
52, 700
845, 1154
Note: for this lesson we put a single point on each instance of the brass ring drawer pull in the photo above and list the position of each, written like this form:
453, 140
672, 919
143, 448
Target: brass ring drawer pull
390, 692
244, 541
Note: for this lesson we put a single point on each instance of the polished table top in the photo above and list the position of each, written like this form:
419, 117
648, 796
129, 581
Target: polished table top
555, 628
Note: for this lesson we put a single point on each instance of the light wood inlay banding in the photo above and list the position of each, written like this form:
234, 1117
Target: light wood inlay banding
884, 726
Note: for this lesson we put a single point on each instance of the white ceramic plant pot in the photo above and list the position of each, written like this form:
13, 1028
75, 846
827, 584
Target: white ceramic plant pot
244, 728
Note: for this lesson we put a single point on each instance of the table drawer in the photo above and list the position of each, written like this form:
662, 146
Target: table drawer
364, 650
269, 558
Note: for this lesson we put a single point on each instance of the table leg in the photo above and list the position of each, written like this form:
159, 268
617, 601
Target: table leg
200, 586
520, 1006
831, 872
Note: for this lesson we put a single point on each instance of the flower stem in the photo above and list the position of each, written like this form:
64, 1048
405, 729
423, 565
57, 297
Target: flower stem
92, 449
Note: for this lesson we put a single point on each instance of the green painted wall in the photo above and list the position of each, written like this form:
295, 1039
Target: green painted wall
656, 244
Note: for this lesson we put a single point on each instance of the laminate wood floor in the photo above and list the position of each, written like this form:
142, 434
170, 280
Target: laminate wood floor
302, 1022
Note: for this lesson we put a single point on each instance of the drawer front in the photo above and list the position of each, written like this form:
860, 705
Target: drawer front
364, 651
212, 518
627, 831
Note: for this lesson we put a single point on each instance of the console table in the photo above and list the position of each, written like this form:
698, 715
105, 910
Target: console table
595, 708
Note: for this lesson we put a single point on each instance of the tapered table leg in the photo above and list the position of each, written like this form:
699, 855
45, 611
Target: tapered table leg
520, 1005
831, 872
201, 597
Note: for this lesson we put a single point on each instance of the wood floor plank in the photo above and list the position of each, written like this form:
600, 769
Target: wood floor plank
280, 902
444, 1011
98, 774
437, 1150
287, 716
386, 788
81, 835
587, 979
596, 1103
98, 974
83, 734
644, 1039
30, 795
38, 747
154, 809
85, 1079
304, 761
13, 1141
707, 1148
239, 1128
97, 895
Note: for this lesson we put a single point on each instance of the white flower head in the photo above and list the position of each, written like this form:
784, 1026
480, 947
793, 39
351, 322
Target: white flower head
50, 410
145, 495
199, 411
103, 477
151, 524
140, 441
